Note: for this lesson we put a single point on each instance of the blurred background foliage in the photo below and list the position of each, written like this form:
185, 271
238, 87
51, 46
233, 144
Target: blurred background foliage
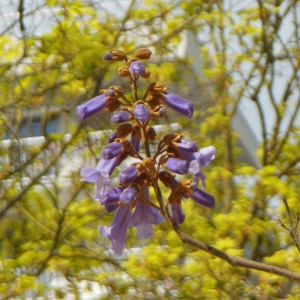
49, 243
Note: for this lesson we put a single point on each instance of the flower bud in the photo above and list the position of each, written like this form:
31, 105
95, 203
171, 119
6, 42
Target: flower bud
124, 71
151, 134
120, 116
129, 195
112, 106
137, 68
143, 53
157, 87
115, 55
128, 175
141, 113
146, 74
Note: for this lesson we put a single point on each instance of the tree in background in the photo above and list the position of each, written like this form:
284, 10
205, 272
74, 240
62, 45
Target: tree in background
49, 218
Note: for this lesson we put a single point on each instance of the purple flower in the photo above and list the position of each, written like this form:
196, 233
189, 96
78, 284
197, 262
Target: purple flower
201, 160
141, 113
91, 107
101, 174
137, 68
177, 214
128, 175
113, 136
117, 232
187, 149
111, 150
129, 195
177, 165
120, 116
202, 198
144, 216
179, 104
110, 198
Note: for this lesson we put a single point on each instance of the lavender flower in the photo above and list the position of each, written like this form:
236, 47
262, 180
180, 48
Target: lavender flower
179, 104
202, 198
120, 116
128, 175
101, 174
144, 216
177, 165
137, 68
111, 150
91, 107
141, 113
129, 195
177, 214
202, 159
117, 232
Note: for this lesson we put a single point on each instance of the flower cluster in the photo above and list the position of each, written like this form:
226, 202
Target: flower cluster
174, 155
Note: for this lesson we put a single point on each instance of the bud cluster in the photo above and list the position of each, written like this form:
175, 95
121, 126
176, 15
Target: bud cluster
174, 155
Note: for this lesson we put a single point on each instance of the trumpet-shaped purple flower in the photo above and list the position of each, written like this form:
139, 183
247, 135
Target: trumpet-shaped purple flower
177, 165
201, 160
101, 174
141, 113
128, 175
203, 198
117, 232
111, 150
144, 217
120, 116
177, 215
137, 68
110, 198
180, 105
129, 195
91, 107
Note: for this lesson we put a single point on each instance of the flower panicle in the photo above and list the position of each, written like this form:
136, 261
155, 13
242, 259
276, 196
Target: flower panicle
175, 155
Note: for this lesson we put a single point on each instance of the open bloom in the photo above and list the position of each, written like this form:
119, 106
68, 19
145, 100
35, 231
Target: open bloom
91, 107
145, 216
117, 232
101, 174
180, 105
110, 198
201, 160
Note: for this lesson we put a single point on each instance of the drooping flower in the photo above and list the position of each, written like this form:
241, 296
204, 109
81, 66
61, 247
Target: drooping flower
101, 174
128, 175
109, 198
129, 195
145, 216
177, 165
177, 215
120, 116
137, 68
180, 105
202, 159
203, 198
141, 113
117, 232
111, 150
91, 107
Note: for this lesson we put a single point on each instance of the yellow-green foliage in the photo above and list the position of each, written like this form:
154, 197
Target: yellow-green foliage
48, 223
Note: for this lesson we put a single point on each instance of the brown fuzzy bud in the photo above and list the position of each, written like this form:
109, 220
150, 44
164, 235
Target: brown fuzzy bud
146, 74
131, 60
117, 89
157, 87
136, 131
151, 134
112, 106
124, 130
167, 178
124, 71
115, 55
143, 53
